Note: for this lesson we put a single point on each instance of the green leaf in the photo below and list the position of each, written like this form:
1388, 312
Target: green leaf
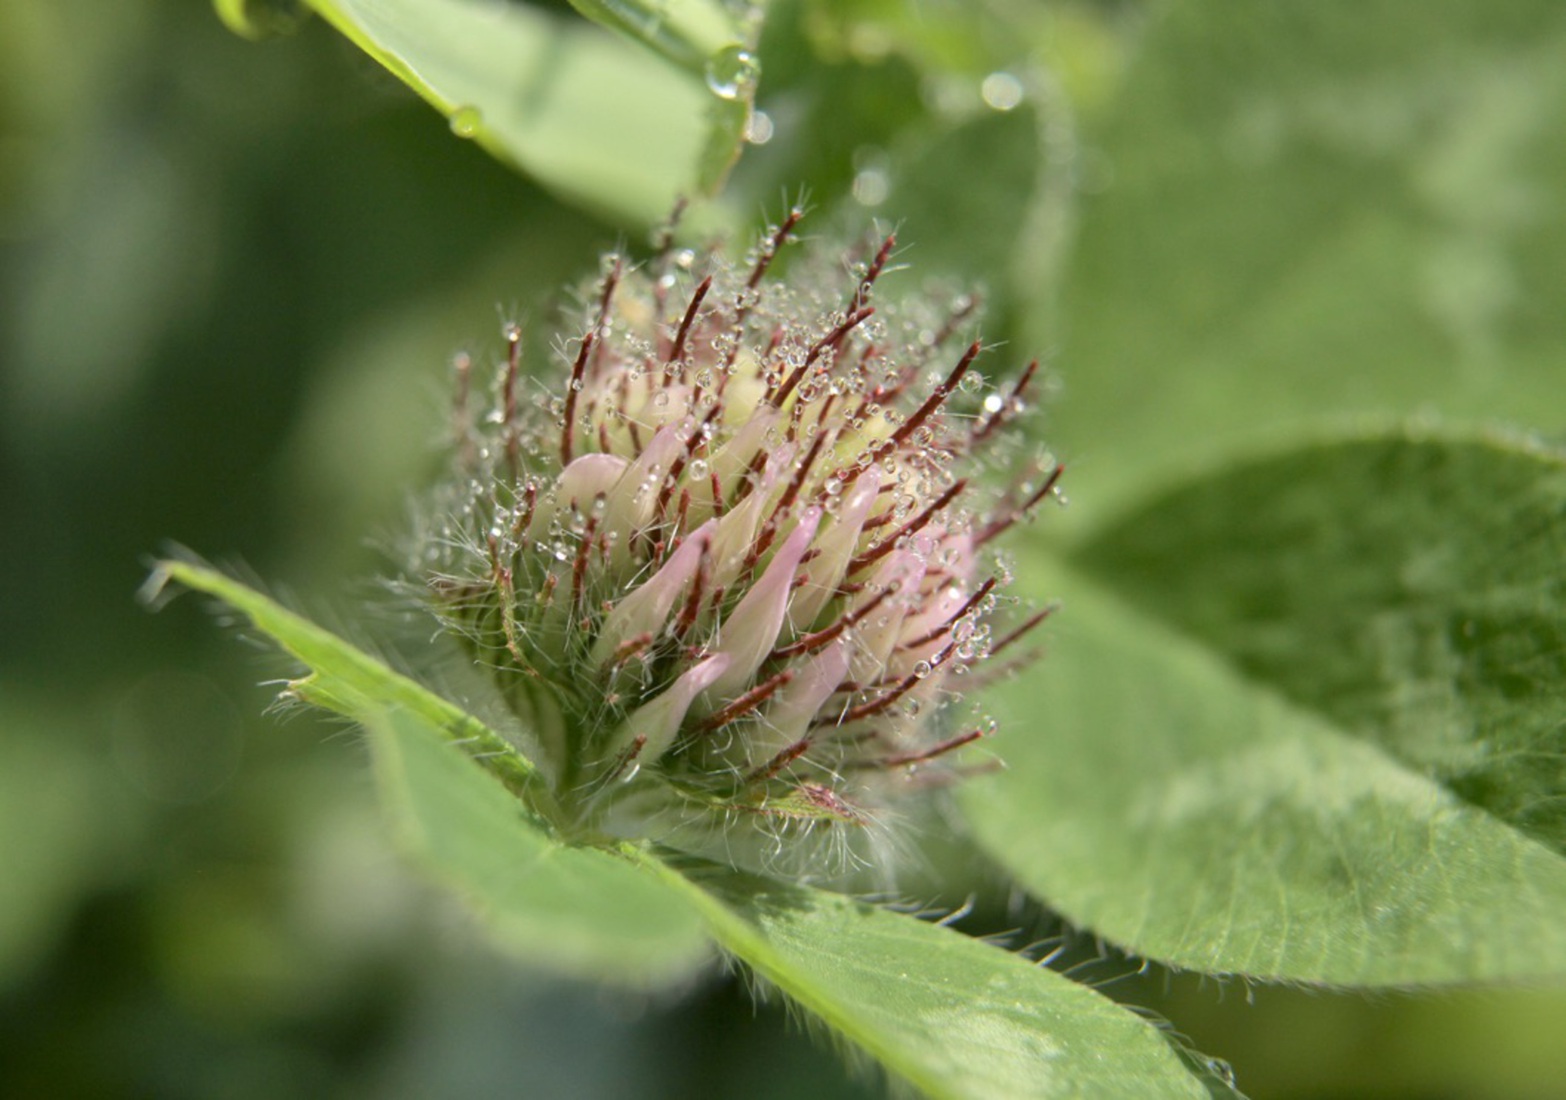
456, 788
349, 681
1311, 208
986, 229
593, 116
1304, 719
1413, 591
948, 1014
690, 33
581, 911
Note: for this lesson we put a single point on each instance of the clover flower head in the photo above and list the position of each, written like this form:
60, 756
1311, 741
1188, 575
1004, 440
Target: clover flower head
732, 575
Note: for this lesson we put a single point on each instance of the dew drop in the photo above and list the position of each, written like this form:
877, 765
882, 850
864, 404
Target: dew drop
758, 128
922, 670
465, 121
732, 72
1221, 1070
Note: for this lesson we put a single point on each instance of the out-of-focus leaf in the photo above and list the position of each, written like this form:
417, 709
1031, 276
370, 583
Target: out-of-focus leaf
690, 33
63, 832
593, 116
950, 1015
582, 911
256, 19
1304, 719
944, 126
1309, 209
974, 201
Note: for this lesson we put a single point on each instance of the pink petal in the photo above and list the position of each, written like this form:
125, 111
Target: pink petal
789, 713
580, 482
751, 631
647, 607
835, 549
659, 720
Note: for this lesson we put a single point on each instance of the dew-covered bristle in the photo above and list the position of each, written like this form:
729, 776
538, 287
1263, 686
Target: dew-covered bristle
742, 552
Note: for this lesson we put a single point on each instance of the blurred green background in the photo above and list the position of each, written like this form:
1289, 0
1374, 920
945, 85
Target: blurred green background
230, 276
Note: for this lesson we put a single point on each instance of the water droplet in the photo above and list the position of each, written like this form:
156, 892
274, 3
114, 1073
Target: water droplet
465, 121
758, 128
994, 403
699, 467
1221, 1070
832, 486
732, 72
1001, 91
922, 670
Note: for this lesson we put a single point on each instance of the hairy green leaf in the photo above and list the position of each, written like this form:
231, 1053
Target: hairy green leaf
954, 1017
349, 681
1305, 719
593, 116
578, 910
1412, 591
1338, 210
581, 911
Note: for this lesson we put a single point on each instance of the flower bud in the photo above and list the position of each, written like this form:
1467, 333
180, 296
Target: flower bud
735, 569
